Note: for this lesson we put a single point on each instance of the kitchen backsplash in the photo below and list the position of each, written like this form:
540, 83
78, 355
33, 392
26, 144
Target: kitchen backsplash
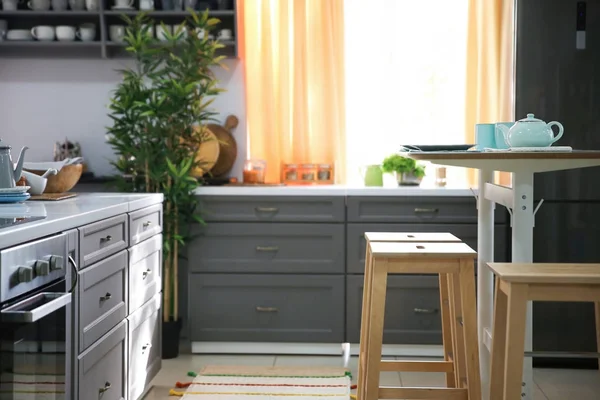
43, 101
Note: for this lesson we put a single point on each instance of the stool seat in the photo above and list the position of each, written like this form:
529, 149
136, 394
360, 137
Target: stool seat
547, 273
419, 250
410, 237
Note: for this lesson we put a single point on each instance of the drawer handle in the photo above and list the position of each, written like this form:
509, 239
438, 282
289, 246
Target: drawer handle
146, 273
426, 210
107, 296
267, 309
426, 310
107, 386
146, 347
267, 209
267, 248
108, 238
147, 224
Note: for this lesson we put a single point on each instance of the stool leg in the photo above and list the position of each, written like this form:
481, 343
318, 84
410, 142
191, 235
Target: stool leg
498, 344
515, 340
457, 330
375, 322
364, 332
446, 327
469, 313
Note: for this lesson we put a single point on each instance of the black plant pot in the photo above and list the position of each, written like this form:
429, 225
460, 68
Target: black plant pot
170, 339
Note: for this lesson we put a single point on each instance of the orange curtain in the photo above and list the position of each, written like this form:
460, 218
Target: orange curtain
490, 71
293, 51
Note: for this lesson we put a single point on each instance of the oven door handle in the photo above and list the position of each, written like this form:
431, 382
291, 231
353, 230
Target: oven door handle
22, 313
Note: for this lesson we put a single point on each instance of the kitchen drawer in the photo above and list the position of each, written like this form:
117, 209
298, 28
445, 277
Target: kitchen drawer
145, 223
102, 298
102, 239
273, 208
145, 261
267, 247
412, 310
103, 367
408, 209
266, 308
144, 346
356, 243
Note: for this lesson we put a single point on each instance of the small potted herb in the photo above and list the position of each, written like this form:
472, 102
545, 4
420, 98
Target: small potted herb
408, 173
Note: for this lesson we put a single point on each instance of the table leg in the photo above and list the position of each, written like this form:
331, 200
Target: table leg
485, 279
522, 251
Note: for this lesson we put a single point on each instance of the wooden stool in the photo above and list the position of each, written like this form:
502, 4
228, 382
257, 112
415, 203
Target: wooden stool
400, 237
516, 284
453, 261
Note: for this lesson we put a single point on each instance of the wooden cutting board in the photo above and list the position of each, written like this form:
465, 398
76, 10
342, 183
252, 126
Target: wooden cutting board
227, 146
52, 196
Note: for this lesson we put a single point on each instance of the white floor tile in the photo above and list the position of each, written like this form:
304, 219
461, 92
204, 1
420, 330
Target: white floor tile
560, 384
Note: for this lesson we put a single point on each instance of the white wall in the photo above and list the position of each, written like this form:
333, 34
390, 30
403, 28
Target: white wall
47, 100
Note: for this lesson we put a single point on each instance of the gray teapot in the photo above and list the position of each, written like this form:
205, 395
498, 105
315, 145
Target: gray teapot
10, 175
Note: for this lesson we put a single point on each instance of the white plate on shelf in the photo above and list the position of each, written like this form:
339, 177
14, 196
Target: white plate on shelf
15, 190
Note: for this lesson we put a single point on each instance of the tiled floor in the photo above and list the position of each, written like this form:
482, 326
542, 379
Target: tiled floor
550, 384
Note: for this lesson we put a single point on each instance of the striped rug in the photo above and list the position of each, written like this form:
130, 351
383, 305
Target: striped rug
247, 383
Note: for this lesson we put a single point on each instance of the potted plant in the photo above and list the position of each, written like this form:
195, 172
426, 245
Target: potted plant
159, 113
408, 172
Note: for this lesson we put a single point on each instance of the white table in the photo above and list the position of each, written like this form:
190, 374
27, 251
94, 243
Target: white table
519, 201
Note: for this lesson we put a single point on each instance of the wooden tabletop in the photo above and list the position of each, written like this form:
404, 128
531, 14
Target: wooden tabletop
410, 237
427, 250
505, 155
547, 273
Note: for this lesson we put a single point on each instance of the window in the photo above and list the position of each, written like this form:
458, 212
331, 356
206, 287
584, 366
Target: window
405, 79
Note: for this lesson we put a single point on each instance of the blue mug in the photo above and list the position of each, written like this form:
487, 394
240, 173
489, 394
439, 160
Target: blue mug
485, 136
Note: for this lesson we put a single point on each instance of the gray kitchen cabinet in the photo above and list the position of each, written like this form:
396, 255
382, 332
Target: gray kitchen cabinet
268, 248
267, 308
416, 210
273, 208
356, 243
103, 367
412, 310
144, 346
145, 223
103, 298
145, 270
102, 239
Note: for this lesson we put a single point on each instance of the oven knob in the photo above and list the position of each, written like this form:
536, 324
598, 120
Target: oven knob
57, 262
42, 268
25, 274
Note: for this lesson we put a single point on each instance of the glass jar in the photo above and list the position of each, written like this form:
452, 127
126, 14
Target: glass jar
254, 171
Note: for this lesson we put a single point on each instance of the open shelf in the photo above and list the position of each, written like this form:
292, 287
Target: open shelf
159, 13
41, 43
49, 13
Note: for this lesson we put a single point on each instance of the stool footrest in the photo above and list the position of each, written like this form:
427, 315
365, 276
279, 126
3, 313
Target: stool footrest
416, 366
422, 393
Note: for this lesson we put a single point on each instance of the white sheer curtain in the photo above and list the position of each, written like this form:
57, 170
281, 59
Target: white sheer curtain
405, 78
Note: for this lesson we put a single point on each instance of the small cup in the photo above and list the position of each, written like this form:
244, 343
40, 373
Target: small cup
92, 5
43, 33
10, 5
87, 32
123, 3
59, 5
77, 5
161, 32
148, 29
146, 4
65, 33
485, 136
116, 33
39, 5
225, 34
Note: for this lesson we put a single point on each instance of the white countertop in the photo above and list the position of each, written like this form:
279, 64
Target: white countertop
68, 214
332, 190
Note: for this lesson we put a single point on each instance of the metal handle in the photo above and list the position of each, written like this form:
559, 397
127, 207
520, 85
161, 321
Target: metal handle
267, 248
107, 296
107, 386
267, 309
147, 224
267, 209
108, 238
22, 312
426, 310
426, 210
146, 273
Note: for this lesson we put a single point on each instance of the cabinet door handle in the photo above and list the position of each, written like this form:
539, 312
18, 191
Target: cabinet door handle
267, 209
267, 309
147, 224
146, 273
108, 238
107, 386
426, 310
107, 296
426, 210
267, 248
146, 347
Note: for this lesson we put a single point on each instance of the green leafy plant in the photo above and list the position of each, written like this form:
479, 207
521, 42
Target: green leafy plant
398, 164
159, 112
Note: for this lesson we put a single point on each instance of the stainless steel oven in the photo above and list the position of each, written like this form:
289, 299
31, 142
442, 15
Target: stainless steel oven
35, 318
